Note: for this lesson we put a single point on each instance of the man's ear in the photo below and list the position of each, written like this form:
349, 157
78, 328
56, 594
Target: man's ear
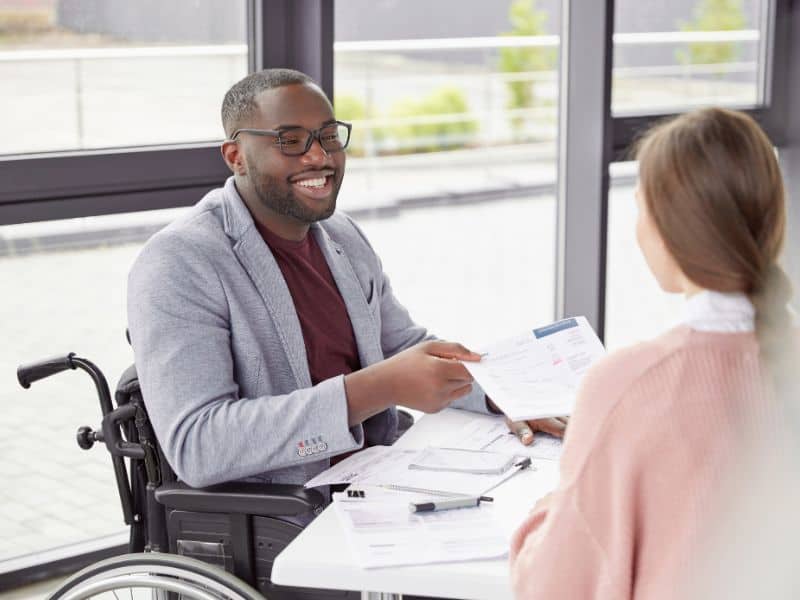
234, 157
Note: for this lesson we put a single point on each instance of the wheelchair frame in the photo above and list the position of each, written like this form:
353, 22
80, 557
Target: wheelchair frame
177, 532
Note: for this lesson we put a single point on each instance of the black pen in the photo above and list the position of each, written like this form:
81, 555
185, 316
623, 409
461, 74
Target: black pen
448, 503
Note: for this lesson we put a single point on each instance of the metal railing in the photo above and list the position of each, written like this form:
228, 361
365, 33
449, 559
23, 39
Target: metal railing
489, 118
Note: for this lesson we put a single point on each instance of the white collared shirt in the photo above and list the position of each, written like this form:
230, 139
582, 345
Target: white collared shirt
720, 312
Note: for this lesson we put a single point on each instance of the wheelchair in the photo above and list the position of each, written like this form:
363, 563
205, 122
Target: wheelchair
212, 543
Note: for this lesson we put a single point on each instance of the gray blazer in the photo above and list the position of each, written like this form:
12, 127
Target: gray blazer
220, 353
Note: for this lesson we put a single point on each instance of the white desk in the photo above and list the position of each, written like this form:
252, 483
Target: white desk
320, 556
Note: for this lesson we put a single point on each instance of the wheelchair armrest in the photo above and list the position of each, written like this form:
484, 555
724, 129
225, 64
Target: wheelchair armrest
261, 499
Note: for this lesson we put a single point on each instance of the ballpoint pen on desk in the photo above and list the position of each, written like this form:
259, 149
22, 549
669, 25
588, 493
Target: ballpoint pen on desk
448, 503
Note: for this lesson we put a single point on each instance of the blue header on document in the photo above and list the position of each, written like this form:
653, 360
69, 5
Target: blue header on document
554, 328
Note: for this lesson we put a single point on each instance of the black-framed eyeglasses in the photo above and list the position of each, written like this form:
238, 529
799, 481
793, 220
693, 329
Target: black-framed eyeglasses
295, 141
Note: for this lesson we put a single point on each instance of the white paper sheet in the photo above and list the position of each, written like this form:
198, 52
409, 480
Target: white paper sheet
388, 467
536, 374
364, 465
384, 534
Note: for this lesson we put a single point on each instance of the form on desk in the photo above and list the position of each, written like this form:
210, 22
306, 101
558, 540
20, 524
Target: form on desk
384, 533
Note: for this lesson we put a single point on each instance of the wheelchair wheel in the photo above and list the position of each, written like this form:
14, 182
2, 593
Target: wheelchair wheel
154, 576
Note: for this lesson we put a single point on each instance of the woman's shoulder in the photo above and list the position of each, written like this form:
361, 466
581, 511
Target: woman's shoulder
600, 417
619, 379
618, 370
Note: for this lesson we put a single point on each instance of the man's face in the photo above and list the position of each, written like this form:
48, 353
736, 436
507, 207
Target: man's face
301, 187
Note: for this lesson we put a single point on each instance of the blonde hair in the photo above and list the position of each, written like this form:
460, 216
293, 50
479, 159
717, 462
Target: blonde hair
711, 181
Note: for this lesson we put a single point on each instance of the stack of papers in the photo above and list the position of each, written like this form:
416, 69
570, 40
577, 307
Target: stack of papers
463, 460
536, 374
384, 533
380, 528
390, 468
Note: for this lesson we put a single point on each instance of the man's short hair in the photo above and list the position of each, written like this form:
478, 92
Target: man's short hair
240, 101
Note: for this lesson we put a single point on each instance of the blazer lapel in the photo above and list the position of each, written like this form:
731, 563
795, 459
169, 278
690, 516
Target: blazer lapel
365, 327
257, 260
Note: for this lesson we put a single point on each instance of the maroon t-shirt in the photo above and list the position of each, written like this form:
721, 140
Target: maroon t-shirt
328, 334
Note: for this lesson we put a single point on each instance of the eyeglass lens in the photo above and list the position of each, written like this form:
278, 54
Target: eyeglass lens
332, 138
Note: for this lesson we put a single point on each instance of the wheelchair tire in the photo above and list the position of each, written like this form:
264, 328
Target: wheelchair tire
164, 575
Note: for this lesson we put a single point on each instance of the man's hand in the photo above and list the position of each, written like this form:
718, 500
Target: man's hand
555, 426
426, 377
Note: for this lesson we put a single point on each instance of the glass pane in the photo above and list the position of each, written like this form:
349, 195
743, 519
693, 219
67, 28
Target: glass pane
636, 307
65, 293
82, 74
452, 161
672, 55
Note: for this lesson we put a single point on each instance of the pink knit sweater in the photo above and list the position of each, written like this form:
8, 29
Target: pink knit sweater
652, 438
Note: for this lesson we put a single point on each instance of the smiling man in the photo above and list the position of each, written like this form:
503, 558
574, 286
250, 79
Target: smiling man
267, 337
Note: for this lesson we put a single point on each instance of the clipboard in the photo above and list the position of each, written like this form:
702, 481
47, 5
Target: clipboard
460, 460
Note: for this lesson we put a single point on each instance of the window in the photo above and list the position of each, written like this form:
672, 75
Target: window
77, 77
87, 74
636, 307
66, 293
452, 165
670, 58
678, 55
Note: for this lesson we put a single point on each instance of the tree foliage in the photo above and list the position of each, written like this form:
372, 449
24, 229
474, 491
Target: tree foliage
349, 108
713, 15
429, 137
525, 20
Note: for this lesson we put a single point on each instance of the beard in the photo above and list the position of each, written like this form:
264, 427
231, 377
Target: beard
279, 197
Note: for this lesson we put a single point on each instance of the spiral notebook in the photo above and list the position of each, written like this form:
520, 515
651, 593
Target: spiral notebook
390, 468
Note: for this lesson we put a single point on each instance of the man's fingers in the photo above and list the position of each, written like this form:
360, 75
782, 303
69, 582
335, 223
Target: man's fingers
522, 430
451, 350
459, 392
553, 426
454, 371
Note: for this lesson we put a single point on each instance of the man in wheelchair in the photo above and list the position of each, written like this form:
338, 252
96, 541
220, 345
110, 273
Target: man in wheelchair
267, 338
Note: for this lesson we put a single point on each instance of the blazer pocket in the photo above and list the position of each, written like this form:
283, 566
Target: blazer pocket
372, 296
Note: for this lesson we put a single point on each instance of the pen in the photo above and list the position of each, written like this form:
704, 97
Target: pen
448, 504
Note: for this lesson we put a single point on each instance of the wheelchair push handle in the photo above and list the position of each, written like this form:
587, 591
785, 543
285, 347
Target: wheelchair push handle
27, 374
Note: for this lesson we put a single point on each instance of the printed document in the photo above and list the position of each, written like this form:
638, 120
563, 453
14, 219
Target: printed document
388, 467
536, 374
383, 534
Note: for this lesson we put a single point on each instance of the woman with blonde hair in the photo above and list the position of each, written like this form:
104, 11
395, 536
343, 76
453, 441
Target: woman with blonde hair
657, 427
